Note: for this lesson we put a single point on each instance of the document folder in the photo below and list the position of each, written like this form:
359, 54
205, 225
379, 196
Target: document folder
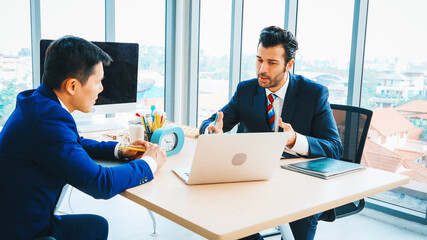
324, 167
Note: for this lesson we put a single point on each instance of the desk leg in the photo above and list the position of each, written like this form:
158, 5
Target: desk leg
285, 230
154, 233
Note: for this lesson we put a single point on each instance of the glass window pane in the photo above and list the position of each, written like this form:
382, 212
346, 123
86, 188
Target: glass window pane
214, 56
395, 88
257, 16
15, 54
324, 38
143, 22
81, 18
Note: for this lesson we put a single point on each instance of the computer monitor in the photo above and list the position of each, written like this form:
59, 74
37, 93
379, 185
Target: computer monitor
120, 78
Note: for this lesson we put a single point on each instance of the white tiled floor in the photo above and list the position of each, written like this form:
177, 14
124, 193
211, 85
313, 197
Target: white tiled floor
130, 221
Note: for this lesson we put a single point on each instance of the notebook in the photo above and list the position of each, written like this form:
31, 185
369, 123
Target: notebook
324, 167
221, 158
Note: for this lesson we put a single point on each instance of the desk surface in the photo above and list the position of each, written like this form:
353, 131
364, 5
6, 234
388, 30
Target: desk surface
235, 210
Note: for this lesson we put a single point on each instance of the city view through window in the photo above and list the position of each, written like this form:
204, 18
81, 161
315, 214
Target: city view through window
394, 80
15, 47
395, 89
15, 54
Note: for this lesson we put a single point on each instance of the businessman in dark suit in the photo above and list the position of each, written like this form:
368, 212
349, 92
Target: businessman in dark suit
280, 101
41, 150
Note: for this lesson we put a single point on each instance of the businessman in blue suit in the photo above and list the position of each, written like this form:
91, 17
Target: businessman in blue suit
41, 150
280, 101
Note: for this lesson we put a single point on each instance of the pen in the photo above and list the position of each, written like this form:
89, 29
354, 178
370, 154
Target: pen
147, 119
163, 119
134, 149
216, 118
145, 126
152, 110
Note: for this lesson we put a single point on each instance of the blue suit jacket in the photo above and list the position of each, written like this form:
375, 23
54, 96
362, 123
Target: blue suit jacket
41, 151
306, 108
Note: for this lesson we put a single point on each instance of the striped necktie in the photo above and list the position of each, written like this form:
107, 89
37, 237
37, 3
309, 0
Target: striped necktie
270, 110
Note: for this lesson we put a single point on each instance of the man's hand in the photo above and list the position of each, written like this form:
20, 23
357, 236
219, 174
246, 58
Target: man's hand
218, 126
156, 152
131, 154
152, 150
288, 128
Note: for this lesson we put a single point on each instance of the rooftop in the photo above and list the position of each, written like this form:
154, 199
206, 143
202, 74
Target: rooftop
416, 106
381, 122
379, 157
416, 172
395, 76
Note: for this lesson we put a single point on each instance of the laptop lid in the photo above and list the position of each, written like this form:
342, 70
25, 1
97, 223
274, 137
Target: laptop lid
237, 157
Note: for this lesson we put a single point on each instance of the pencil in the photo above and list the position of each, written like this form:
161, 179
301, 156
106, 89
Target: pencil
134, 149
145, 126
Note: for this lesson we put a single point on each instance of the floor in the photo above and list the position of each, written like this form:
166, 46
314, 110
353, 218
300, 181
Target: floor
130, 221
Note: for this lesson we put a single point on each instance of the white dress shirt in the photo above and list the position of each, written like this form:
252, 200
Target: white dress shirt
301, 142
149, 160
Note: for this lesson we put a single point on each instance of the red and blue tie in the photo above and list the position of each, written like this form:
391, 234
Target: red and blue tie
270, 110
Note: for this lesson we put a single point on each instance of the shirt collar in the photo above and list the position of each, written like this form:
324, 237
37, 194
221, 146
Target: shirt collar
63, 105
281, 93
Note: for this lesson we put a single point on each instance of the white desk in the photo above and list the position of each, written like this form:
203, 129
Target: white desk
235, 210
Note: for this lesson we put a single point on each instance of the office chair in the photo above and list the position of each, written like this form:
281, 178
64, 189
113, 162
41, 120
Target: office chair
353, 125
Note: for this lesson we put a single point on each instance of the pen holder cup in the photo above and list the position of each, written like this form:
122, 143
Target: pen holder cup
147, 136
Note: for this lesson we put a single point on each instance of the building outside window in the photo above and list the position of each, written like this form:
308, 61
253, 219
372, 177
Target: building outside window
15, 54
143, 22
324, 38
395, 88
214, 56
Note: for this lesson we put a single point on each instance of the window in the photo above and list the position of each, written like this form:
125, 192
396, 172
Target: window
394, 87
143, 22
85, 19
15, 54
214, 56
324, 38
257, 16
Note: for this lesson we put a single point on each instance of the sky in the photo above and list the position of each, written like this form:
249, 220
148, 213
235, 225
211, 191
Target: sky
395, 28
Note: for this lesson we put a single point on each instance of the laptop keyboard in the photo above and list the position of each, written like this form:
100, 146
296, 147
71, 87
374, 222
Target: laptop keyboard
188, 174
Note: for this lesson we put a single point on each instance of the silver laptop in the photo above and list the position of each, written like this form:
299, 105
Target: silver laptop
237, 157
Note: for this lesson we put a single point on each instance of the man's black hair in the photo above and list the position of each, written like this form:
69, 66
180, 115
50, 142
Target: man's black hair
71, 57
273, 36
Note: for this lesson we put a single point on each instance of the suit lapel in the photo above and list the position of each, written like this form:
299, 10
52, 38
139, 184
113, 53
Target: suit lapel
290, 103
260, 107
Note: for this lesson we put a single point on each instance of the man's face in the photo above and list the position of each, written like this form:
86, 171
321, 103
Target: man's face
271, 67
87, 94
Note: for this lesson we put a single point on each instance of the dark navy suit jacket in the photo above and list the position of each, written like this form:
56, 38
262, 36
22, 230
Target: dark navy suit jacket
306, 108
41, 151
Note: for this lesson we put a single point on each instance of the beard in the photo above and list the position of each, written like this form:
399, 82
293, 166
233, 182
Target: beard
272, 81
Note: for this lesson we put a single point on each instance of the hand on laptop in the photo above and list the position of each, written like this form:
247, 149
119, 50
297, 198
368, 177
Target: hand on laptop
292, 135
216, 127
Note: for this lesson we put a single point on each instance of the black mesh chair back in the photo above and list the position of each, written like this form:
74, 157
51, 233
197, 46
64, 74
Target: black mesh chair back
353, 125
